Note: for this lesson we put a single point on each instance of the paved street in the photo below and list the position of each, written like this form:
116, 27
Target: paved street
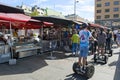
41, 68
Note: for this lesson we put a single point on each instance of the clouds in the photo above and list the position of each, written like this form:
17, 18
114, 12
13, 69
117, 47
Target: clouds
37, 2
84, 8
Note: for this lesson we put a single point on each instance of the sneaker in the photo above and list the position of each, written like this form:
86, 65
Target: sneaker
79, 68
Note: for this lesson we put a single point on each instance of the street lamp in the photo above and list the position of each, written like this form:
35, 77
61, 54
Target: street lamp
75, 1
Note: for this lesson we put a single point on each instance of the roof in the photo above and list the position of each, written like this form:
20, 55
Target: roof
9, 9
55, 20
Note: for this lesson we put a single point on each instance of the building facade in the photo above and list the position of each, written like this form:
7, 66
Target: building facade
53, 13
28, 9
76, 18
107, 13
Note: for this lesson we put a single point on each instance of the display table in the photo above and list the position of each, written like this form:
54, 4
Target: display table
21, 50
48, 45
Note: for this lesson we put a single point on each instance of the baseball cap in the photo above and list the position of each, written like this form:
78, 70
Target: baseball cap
84, 25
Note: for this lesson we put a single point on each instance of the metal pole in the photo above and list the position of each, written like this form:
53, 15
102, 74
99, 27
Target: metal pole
74, 9
11, 39
42, 38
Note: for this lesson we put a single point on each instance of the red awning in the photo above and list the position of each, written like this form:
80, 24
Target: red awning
18, 17
4, 16
48, 24
21, 20
95, 25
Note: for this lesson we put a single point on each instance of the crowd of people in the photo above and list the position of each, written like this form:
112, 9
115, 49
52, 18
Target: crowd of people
95, 41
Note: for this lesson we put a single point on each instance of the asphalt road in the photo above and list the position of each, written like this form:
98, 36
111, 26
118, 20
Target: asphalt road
41, 68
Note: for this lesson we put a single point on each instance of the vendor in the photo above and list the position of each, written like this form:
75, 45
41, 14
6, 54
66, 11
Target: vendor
2, 38
30, 33
15, 33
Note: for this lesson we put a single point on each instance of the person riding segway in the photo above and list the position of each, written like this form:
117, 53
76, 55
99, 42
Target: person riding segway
81, 67
100, 56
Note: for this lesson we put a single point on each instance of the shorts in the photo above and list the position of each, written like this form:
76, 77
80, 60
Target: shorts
84, 51
101, 45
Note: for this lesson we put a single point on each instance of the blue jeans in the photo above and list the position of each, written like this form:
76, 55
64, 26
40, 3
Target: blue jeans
74, 47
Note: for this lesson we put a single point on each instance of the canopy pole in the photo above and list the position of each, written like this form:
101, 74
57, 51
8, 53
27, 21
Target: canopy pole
11, 40
41, 38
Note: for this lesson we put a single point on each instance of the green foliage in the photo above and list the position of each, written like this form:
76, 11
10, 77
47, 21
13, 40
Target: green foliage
34, 13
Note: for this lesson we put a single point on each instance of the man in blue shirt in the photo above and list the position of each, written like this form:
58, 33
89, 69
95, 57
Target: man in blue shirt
85, 35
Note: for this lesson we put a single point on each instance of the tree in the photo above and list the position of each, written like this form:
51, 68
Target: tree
34, 13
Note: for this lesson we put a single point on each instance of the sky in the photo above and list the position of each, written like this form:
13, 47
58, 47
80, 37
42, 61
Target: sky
84, 8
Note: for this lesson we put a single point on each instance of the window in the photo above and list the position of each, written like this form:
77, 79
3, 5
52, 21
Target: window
107, 4
107, 10
116, 2
116, 15
98, 17
116, 9
107, 16
98, 11
99, 5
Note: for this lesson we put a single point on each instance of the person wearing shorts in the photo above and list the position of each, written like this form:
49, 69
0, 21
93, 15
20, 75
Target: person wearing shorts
101, 41
101, 44
84, 34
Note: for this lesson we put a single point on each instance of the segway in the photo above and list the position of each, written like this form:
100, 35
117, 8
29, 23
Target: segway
109, 51
89, 71
100, 58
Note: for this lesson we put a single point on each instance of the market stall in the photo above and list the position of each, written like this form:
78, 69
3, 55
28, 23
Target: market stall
24, 34
59, 34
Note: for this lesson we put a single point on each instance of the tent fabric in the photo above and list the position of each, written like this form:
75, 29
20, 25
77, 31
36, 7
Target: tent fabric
95, 25
48, 23
4, 16
20, 20
18, 17
56, 21
17, 20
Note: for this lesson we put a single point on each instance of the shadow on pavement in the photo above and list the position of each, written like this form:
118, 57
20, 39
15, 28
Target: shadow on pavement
59, 55
113, 63
75, 77
24, 65
95, 64
117, 71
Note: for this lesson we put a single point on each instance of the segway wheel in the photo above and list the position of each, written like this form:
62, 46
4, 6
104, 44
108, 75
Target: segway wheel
110, 53
105, 59
95, 58
89, 71
75, 65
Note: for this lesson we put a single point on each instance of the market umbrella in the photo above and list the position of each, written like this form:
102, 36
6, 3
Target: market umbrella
92, 25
